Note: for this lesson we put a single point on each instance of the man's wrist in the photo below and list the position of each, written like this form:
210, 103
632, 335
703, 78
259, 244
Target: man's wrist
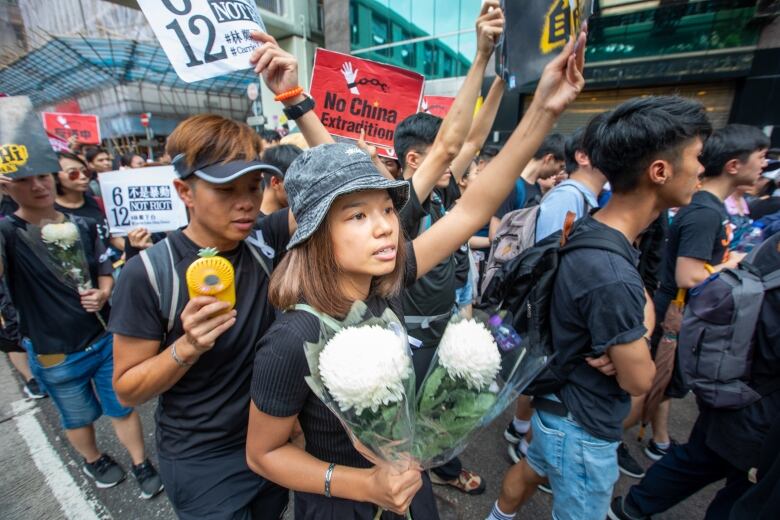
185, 351
294, 101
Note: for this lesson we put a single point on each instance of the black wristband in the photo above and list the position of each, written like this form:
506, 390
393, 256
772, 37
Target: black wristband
351, 85
293, 112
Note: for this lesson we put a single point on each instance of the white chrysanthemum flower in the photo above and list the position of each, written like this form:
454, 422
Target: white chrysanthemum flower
468, 351
64, 235
365, 368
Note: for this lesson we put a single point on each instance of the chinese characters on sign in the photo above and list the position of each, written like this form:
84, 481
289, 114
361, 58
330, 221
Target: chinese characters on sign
204, 38
86, 127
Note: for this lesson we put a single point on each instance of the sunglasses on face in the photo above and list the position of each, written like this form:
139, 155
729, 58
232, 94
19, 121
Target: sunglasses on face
74, 175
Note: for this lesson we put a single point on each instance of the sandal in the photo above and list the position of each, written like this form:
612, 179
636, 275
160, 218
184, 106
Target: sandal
468, 482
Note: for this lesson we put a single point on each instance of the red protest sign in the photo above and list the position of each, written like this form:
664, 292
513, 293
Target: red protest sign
353, 94
63, 125
436, 105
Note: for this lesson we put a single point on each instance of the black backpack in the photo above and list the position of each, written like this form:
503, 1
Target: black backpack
524, 287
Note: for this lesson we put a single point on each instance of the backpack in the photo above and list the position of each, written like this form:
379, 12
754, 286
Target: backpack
715, 345
10, 337
159, 265
515, 234
524, 287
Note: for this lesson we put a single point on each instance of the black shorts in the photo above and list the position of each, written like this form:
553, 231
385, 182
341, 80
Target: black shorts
220, 487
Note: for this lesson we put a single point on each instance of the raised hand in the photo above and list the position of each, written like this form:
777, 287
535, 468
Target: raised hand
278, 68
350, 76
562, 78
490, 26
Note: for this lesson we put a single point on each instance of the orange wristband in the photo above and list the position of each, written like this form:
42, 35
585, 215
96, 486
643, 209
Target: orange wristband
289, 94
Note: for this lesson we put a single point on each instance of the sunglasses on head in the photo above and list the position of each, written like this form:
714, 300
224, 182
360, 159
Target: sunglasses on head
75, 174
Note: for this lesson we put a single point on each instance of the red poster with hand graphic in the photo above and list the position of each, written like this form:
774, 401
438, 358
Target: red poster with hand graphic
86, 127
436, 105
353, 94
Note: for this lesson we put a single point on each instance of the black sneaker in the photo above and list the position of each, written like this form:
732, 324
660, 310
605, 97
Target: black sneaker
514, 452
618, 510
34, 390
105, 472
654, 452
511, 434
628, 464
148, 479
545, 488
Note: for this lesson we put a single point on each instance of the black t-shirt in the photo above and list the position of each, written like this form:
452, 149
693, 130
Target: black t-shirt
206, 411
533, 195
50, 311
760, 208
434, 293
700, 230
279, 388
598, 301
91, 210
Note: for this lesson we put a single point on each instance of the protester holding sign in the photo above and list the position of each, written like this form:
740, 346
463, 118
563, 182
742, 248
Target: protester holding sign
195, 357
347, 217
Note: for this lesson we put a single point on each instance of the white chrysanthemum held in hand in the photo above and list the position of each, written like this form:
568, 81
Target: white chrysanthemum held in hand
468, 351
365, 368
64, 235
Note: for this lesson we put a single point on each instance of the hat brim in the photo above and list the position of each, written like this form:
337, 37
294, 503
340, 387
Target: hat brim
311, 221
222, 173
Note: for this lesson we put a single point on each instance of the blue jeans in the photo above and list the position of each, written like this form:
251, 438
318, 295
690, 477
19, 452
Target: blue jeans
582, 469
80, 386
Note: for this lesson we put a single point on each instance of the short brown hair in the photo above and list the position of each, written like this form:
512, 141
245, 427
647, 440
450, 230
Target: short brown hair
309, 273
210, 138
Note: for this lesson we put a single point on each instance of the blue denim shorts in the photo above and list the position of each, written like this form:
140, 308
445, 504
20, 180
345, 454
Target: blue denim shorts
80, 386
582, 469
465, 294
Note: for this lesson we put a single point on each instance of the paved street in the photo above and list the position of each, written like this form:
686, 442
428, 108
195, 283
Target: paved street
42, 479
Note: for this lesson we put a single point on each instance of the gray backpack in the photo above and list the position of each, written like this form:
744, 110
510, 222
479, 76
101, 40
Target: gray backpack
715, 346
160, 269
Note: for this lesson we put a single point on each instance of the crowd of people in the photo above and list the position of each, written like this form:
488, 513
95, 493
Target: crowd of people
657, 202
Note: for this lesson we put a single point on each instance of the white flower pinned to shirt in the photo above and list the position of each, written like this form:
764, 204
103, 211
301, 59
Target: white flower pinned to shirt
468, 351
365, 368
63, 235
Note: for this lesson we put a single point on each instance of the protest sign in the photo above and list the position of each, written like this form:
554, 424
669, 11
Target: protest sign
354, 94
534, 32
24, 148
142, 197
86, 127
436, 105
204, 38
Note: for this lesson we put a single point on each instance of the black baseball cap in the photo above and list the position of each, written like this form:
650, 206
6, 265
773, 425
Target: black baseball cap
220, 172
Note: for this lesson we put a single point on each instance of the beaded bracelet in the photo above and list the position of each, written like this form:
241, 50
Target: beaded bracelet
289, 94
328, 475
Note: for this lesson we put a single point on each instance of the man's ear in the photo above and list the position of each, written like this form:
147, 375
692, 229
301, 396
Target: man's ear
732, 166
660, 171
413, 159
548, 159
582, 159
275, 182
185, 190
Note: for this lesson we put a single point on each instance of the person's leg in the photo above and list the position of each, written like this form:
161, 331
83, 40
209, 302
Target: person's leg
519, 484
83, 440
130, 433
660, 423
635, 414
737, 485
20, 362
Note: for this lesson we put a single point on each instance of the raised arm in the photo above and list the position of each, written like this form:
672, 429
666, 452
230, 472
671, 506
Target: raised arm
456, 125
559, 85
480, 129
279, 70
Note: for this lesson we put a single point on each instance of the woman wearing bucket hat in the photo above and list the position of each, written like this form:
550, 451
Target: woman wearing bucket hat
348, 247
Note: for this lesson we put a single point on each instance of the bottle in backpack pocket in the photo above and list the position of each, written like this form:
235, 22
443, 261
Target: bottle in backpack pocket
212, 275
506, 336
750, 240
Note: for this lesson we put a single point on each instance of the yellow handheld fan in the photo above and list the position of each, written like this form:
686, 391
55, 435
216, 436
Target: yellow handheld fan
212, 275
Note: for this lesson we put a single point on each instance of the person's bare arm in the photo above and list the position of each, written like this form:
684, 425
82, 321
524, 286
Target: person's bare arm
689, 272
633, 365
279, 70
480, 129
270, 454
371, 151
559, 85
142, 372
477, 242
456, 124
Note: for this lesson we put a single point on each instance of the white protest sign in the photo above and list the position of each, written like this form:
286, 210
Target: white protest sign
204, 38
142, 197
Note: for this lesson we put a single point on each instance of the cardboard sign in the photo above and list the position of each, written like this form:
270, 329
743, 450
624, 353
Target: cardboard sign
534, 32
142, 198
204, 38
84, 126
353, 94
436, 105
24, 148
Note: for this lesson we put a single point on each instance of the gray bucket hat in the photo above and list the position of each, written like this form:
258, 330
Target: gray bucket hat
327, 171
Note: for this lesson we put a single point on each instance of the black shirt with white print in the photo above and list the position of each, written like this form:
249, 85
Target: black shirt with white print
207, 410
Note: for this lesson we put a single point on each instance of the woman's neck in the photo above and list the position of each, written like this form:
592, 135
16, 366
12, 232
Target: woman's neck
356, 287
37, 216
71, 199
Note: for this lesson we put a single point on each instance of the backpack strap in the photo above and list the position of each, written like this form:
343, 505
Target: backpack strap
261, 251
260, 259
605, 242
331, 323
160, 269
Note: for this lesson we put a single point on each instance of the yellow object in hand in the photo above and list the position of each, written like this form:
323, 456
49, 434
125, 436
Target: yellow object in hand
212, 275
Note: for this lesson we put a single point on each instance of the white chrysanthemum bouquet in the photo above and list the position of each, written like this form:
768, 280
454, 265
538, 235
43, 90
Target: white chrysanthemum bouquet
362, 370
